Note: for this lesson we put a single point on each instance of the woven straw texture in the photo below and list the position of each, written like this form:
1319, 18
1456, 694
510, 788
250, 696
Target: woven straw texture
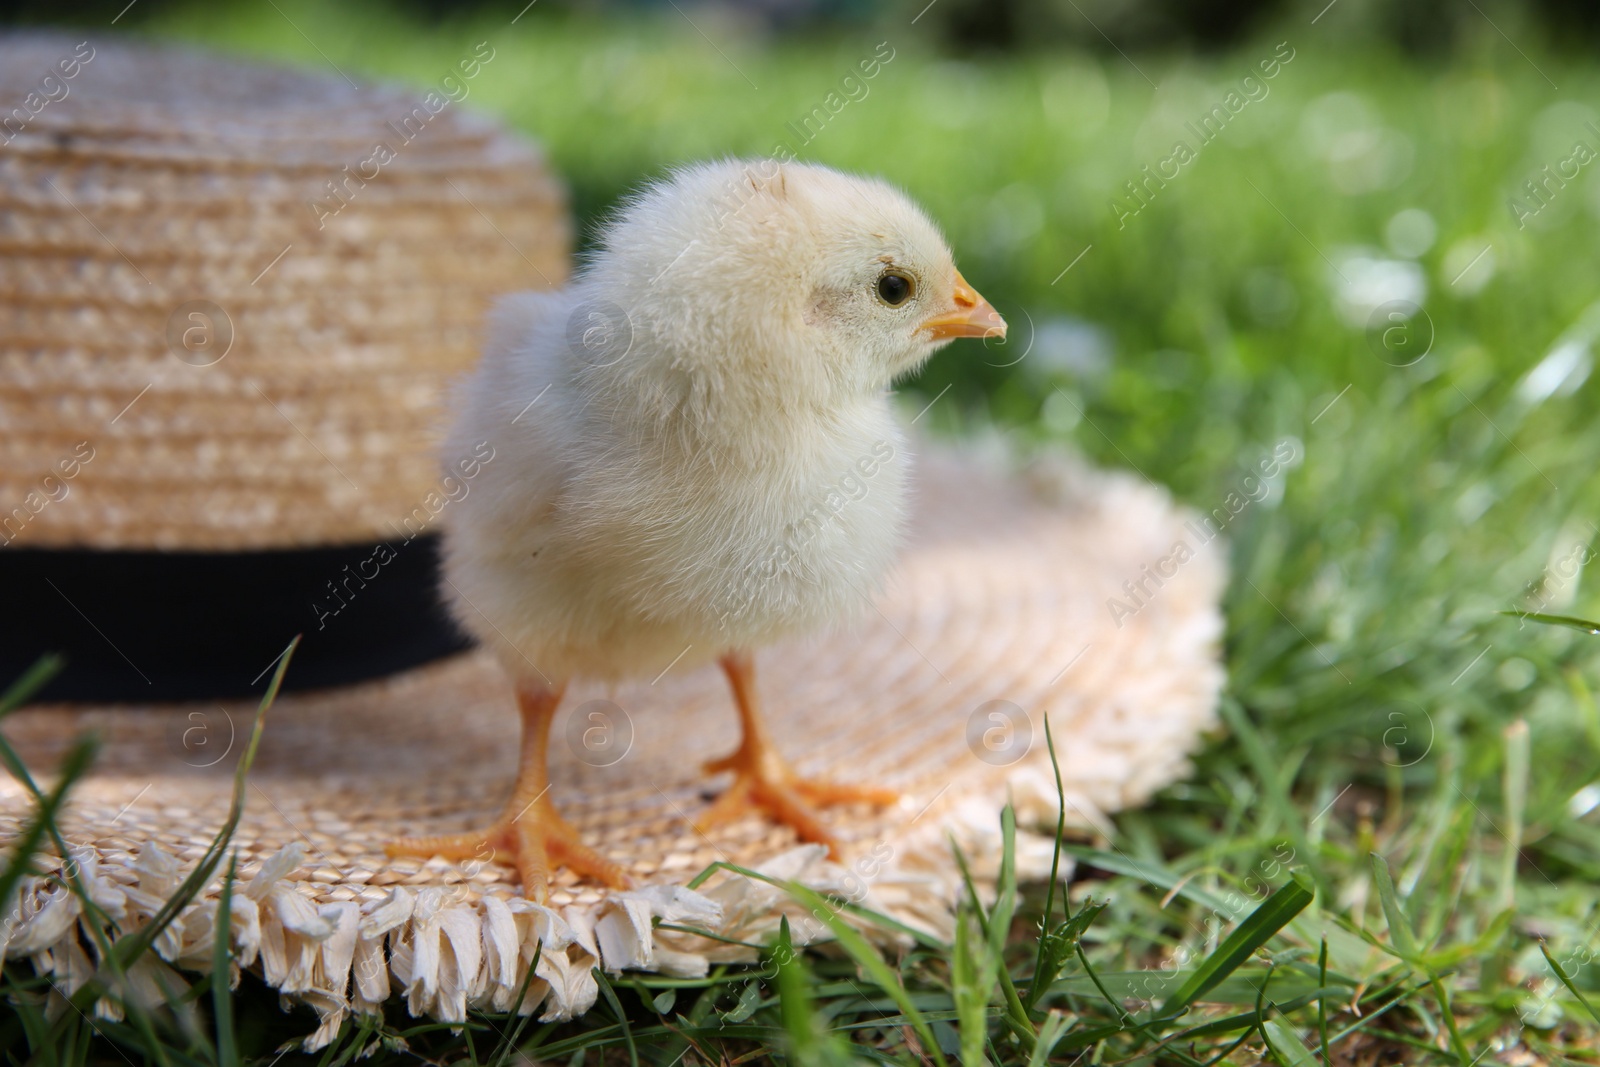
210, 275
1002, 596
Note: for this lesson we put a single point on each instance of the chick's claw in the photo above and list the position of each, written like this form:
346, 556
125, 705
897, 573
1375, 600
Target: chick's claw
762, 781
828, 793
764, 784
540, 842
534, 842
468, 846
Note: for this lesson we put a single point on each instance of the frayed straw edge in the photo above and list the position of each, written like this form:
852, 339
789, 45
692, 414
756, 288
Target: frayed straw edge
446, 953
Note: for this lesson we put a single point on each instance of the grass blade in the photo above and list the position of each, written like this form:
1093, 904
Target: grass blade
811, 1043
1322, 1003
135, 944
867, 959
1041, 980
622, 1016
1516, 796
1259, 926
1016, 1015
511, 1039
1051, 1031
794, 1000
1059, 943
1285, 1045
1005, 889
1401, 938
33, 679
221, 968
1404, 944
971, 981
877, 918
1151, 874
1562, 975
72, 768
1569, 621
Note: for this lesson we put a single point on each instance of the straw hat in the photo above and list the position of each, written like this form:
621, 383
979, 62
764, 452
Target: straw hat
229, 298
1000, 613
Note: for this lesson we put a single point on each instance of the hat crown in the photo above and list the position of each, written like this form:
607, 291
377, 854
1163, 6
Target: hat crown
232, 295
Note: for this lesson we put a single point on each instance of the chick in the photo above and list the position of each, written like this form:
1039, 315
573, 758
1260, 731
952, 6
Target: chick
671, 431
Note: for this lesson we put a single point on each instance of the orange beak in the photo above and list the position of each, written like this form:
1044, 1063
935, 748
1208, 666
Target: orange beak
973, 316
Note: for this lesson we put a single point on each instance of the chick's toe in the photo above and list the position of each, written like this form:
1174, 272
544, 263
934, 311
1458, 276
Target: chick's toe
530, 834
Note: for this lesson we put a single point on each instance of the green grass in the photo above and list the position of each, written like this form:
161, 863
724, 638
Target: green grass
1376, 751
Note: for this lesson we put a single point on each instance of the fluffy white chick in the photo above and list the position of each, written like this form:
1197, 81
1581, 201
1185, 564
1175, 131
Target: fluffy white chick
679, 437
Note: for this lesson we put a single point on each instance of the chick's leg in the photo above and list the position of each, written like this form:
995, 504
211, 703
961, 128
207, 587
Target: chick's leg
530, 833
762, 780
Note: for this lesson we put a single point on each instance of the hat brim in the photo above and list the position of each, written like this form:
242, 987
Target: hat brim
1010, 604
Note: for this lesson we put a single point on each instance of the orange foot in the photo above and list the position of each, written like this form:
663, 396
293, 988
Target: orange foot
531, 834
763, 782
533, 840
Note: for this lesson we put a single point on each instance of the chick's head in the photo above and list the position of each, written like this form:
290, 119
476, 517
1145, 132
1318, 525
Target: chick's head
882, 286
793, 278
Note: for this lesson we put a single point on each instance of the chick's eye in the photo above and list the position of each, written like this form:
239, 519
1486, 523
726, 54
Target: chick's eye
895, 288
